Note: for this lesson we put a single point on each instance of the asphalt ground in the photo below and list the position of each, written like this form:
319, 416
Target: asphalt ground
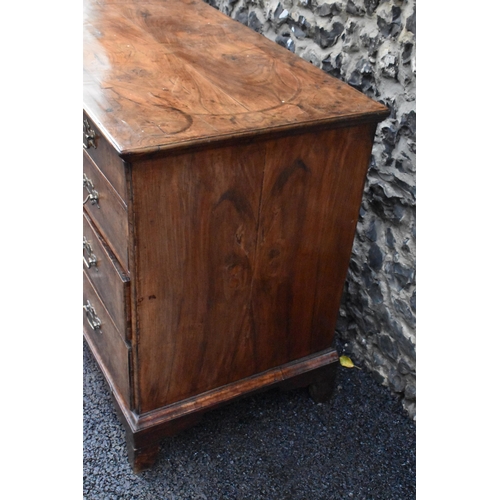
274, 445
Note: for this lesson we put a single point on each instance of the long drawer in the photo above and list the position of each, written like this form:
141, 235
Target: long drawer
100, 331
110, 281
106, 209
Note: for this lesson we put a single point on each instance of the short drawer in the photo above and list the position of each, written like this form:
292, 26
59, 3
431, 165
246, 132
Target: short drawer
106, 209
112, 352
104, 156
110, 281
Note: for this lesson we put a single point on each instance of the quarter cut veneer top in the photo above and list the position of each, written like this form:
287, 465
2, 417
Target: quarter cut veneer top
170, 74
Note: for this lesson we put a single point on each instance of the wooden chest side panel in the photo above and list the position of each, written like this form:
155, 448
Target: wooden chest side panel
241, 256
311, 195
195, 222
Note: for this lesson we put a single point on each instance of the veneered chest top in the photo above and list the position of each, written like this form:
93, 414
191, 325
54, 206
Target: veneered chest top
162, 75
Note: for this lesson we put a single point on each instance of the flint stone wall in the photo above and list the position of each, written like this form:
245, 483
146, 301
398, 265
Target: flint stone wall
370, 44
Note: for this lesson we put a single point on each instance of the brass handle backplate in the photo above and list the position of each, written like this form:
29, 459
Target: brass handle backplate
93, 195
92, 259
93, 320
88, 135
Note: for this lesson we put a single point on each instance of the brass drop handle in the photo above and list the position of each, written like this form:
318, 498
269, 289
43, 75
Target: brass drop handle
92, 259
93, 320
93, 195
88, 135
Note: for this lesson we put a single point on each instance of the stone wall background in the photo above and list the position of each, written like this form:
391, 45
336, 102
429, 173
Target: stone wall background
370, 44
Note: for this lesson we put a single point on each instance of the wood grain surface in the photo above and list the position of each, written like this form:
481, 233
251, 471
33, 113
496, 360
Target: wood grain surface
164, 74
106, 157
241, 255
110, 213
110, 350
230, 174
108, 278
144, 431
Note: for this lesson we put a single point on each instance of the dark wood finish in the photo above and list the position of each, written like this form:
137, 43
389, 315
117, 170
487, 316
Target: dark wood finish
145, 430
230, 174
262, 236
110, 281
322, 386
104, 155
109, 214
113, 353
142, 458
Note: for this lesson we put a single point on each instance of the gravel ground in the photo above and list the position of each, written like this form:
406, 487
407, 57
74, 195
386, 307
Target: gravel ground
276, 445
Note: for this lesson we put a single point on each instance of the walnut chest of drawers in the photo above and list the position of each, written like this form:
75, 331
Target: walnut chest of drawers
222, 182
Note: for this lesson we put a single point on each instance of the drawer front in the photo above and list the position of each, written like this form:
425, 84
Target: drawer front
108, 278
106, 209
104, 156
99, 329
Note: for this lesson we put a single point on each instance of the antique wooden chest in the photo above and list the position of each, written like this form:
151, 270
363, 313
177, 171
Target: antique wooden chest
222, 178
